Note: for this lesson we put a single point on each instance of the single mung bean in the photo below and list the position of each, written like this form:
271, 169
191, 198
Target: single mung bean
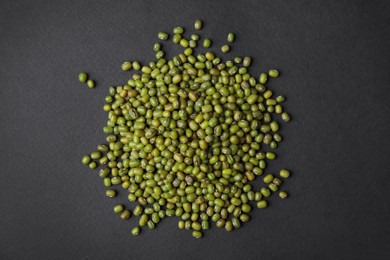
230, 37
225, 48
110, 193
205, 224
247, 61
135, 231
265, 192
283, 194
194, 37
284, 173
118, 208
252, 99
197, 234
188, 51
137, 210
181, 224
126, 65
268, 178
237, 60
277, 181
220, 223
196, 226
91, 83
270, 155
280, 99
92, 165
286, 117
198, 24
273, 187
86, 159
258, 196
267, 94
157, 47
184, 43
228, 226
150, 224
192, 44
125, 214
246, 208
176, 38
136, 65
163, 36
263, 78
143, 220
262, 204
83, 77
244, 217
107, 182
178, 30
206, 43
273, 73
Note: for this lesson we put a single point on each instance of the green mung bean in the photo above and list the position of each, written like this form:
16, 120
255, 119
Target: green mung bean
178, 30
197, 234
225, 48
230, 37
92, 165
206, 43
284, 173
263, 78
247, 61
163, 36
91, 83
283, 194
110, 193
273, 73
86, 159
286, 117
198, 24
135, 231
262, 204
83, 77
188, 135
118, 208
125, 214
126, 65
268, 178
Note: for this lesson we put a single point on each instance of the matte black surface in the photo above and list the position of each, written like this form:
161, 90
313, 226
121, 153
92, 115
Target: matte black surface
334, 62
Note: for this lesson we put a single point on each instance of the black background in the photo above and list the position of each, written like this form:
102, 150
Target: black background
334, 62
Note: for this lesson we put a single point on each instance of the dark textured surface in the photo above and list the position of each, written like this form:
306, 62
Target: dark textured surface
334, 58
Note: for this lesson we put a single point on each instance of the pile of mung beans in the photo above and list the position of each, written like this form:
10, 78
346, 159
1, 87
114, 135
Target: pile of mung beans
190, 137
